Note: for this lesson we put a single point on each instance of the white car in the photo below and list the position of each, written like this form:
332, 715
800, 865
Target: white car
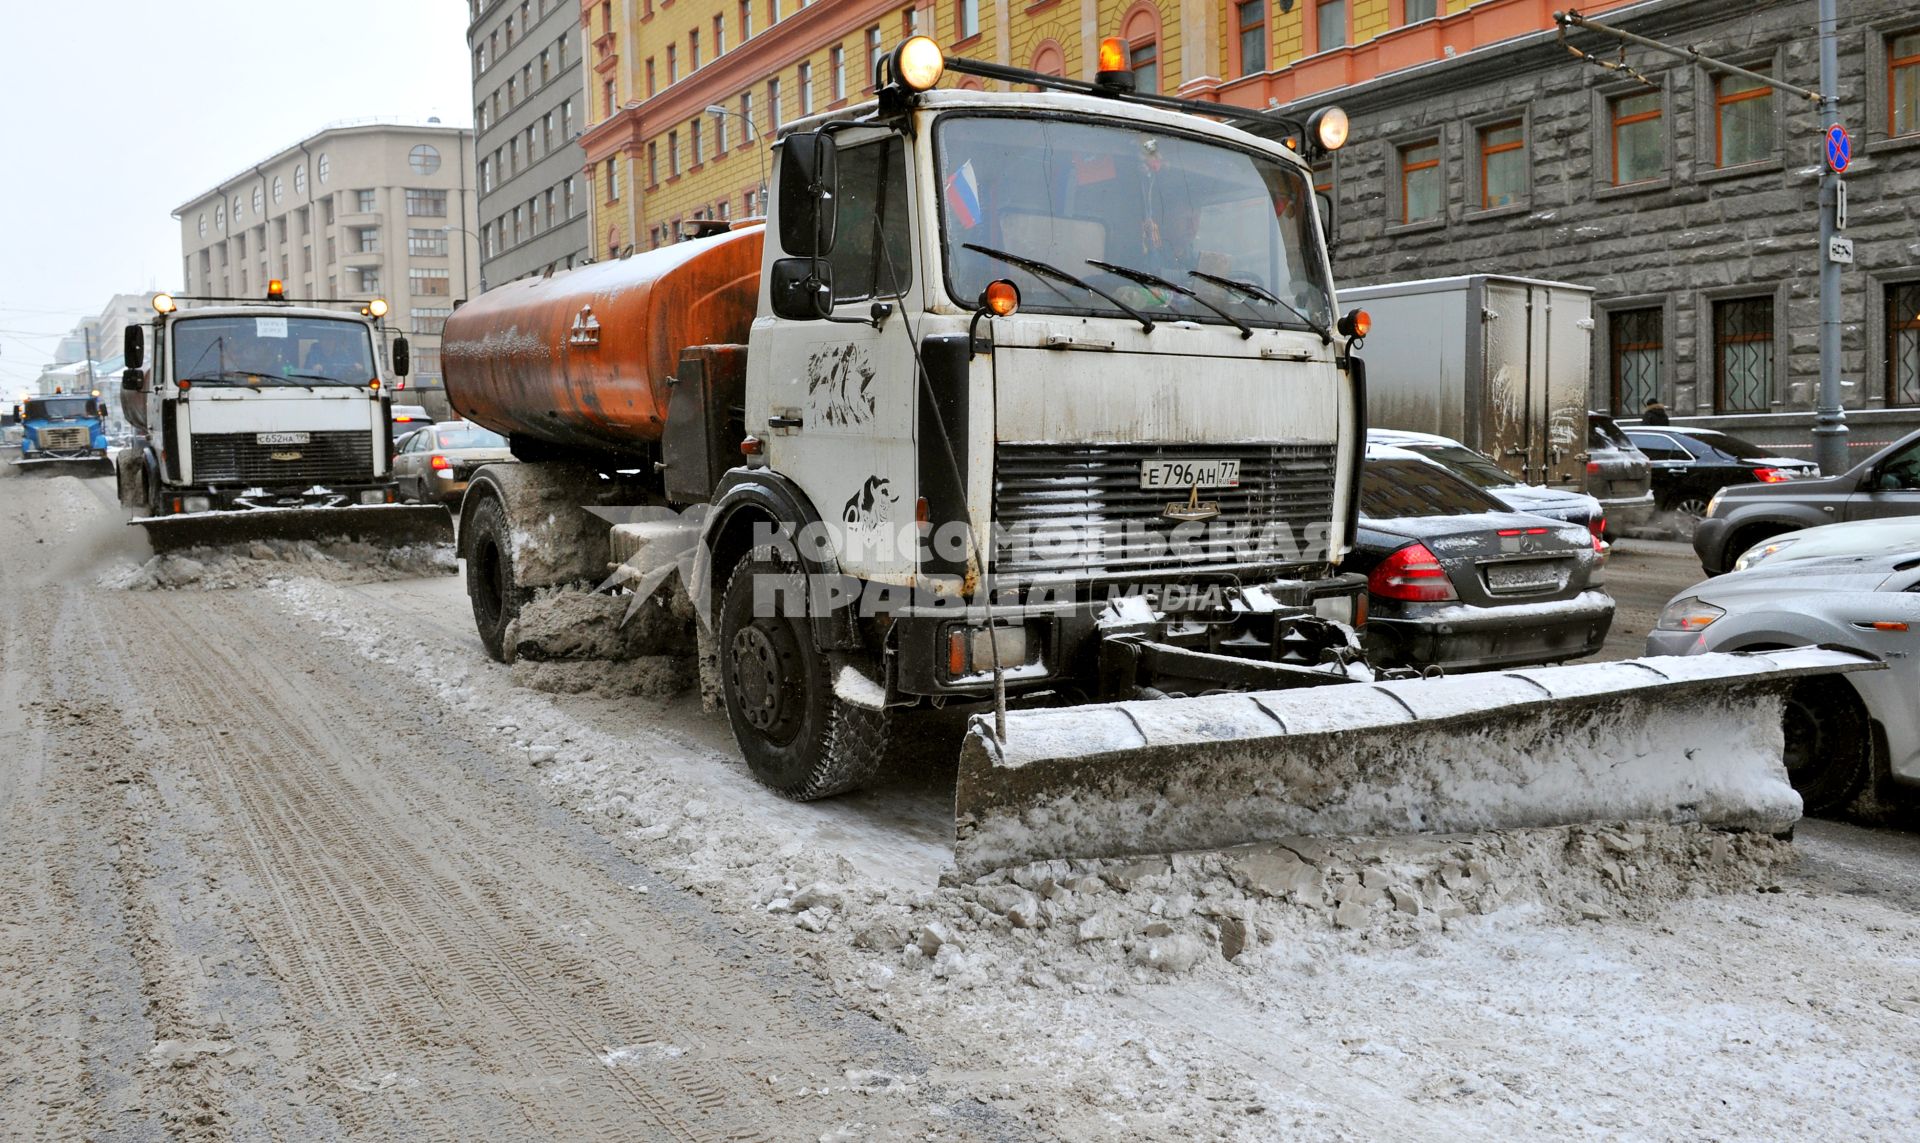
1479, 470
1853, 538
1837, 726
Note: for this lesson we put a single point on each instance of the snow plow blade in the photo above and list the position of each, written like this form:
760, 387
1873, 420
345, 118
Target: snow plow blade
384, 524
1696, 738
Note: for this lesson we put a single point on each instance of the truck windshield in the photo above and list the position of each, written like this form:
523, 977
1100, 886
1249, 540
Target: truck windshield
59, 409
272, 351
1070, 194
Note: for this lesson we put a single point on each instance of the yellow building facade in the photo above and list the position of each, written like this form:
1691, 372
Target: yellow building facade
684, 94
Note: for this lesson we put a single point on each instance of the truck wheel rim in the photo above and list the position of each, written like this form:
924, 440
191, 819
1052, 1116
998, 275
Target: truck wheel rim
761, 667
487, 563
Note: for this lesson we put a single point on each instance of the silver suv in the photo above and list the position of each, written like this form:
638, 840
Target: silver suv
1885, 484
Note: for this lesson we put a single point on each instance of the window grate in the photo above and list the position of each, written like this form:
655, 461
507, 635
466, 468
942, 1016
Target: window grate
1637, 344
1743, 355
1903, 344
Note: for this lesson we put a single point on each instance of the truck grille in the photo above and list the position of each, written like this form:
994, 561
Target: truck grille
237, 458
66, 438
1078, 511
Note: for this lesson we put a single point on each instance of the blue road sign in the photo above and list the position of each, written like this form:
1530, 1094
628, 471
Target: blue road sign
1839, 148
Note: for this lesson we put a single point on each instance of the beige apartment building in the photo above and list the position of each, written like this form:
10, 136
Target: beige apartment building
355, 211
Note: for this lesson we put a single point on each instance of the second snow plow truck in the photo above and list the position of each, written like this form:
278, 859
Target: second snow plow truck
264, 420
1041, 396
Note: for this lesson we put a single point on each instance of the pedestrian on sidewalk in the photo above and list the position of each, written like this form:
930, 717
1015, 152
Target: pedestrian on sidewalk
1655, 413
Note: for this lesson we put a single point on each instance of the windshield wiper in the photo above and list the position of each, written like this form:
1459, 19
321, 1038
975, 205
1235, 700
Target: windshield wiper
329, 380
1262, 294
1042, 269
244, 375
1155, 280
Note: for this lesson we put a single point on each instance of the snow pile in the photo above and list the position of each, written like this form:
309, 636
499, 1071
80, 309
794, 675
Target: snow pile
261, 562
567, 641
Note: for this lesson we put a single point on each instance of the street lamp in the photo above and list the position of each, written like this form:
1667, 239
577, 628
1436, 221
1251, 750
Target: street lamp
449, 228
753, 136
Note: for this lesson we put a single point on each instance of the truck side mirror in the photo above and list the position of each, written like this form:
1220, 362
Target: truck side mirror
402, 356
134, 347
809, 177
130, 381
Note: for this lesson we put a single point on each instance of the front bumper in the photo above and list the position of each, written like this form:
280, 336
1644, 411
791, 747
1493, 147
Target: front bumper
1675, 642
1471, 638
174, 500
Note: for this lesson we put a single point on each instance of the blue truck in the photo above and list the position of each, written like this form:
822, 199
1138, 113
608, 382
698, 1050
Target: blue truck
63, 429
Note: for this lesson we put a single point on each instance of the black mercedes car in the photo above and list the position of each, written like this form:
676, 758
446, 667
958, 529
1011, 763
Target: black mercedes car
1690, 465
1457, 581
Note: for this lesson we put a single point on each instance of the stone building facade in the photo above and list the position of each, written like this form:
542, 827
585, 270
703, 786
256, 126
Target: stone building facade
529, 101
354, 211
1688, 202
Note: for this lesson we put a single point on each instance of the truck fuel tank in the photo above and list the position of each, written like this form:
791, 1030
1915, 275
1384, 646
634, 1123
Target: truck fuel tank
583, 358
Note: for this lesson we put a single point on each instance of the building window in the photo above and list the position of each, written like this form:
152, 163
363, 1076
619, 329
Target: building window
838, 59
1903, 84
203, 224
426, 242
673, 64
746, 21
651, 87
804, 79
300, 179
519, 221
1903, 344
566, 121
1743, 120
1420, 188
773, 105
693, 50
1637, 346
719, 36
673, 154
321, 167
567, 193
366, 239
279, 188
753, 204
1331, 16
698, 138
429, 319
1418, 10
546, 66
513, 92
429, 283
1639, 152
873, 55
613, 180
746, 113
720, 134
1743, 355
653, 164
369, 280
1251, 16
1503, 164
513, 155
606, 98
1144, 59
546, 133
552, 218
967, 18
365, 202
424, 159
423, 203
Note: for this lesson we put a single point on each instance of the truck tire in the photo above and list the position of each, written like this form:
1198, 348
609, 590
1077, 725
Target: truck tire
492, 588
799, 738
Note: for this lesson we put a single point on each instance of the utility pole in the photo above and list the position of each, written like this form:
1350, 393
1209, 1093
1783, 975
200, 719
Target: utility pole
86, 333
1830, 419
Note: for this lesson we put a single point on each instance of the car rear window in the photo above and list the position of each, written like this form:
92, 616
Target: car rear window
471, 438
1603, 433
1399, 489
1468, 465
1733, 446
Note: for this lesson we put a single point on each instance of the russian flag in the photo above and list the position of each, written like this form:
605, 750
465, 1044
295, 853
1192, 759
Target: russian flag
963, 196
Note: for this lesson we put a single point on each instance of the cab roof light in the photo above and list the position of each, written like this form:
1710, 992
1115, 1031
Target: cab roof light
276, 290
163, 303
918, 63
1115, 71
1327, 129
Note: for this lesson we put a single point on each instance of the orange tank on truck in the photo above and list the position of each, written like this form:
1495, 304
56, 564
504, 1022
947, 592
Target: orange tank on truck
582, 360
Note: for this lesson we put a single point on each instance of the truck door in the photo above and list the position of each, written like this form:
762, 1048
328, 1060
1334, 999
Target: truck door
837, 397
1537, 347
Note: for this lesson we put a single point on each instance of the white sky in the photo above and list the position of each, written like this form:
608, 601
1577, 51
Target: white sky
116, 112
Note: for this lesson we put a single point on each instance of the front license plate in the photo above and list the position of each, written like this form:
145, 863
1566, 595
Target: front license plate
1519, 577
282, 438
1172, 472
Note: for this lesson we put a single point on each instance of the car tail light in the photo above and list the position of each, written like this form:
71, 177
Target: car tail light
1771, 475
1523, 531
1411, 574
440, 463
1598, 526
1593, 468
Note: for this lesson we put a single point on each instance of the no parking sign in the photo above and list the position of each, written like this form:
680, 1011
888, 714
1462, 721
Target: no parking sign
1839, 148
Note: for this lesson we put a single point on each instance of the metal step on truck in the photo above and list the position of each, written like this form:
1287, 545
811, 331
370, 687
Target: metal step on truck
265, 419
1038, 401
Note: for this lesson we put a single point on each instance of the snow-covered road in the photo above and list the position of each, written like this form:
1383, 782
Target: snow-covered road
294, 859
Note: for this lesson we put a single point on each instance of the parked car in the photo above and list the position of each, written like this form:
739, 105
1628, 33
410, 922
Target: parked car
410, 418
435, 462
1690, 465
1483, 473
1859, 539
1833, 723
1739, 517
1618, 475
1455, 580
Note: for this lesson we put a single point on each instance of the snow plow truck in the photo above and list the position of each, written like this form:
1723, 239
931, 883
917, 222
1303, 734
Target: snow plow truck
263, 420
63, 431
1038, 400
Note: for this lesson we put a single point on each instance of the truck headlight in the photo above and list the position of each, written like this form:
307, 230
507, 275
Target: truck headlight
373, 496
195, 504
1688, 614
